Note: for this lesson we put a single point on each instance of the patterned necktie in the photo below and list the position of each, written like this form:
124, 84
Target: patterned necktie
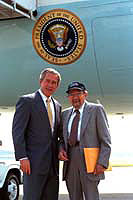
74, 129
50, 116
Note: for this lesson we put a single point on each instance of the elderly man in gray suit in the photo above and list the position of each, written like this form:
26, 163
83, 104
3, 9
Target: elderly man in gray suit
36, 134
84, 125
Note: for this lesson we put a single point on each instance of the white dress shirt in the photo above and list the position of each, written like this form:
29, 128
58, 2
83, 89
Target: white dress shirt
71, 120
44, 98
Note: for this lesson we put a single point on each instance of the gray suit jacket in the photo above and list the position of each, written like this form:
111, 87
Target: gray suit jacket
94, 133
32, 135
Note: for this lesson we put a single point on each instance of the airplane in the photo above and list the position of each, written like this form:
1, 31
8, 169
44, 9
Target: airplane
106, 63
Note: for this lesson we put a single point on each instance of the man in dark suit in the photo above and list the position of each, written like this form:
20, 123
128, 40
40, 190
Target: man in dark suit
36, 138
84, 125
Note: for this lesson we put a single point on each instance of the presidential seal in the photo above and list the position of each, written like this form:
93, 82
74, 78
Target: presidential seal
59, 37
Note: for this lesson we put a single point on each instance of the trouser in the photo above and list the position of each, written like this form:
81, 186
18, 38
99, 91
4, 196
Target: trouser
78, 184
41, 186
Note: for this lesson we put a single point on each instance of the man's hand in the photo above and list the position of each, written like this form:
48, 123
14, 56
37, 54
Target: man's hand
99, 169
25, 166
63, 155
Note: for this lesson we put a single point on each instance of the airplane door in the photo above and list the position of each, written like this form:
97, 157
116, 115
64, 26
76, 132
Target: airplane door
113, 45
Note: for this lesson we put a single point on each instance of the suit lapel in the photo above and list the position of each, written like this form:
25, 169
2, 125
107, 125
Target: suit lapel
40, 106
66, 124
85, 118
56, 113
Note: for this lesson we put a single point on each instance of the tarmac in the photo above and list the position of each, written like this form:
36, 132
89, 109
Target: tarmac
102, 197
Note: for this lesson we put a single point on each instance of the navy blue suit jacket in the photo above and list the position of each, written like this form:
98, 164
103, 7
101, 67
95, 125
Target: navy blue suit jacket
32, 135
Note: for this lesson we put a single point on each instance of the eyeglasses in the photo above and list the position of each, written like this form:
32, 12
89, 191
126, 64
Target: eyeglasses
76, 94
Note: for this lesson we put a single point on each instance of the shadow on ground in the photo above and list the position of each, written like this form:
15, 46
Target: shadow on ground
113, 196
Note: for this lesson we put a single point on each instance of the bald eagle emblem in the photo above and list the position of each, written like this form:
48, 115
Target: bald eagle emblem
58, 34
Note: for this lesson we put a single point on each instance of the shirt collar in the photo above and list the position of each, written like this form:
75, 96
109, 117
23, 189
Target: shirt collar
43, 96
81, 108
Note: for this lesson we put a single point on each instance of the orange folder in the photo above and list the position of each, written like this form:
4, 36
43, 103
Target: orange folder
91, 156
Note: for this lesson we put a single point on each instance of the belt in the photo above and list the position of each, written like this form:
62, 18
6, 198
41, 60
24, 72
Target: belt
77, 144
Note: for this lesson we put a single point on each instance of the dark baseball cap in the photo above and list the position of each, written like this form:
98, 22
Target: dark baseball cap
76, 85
